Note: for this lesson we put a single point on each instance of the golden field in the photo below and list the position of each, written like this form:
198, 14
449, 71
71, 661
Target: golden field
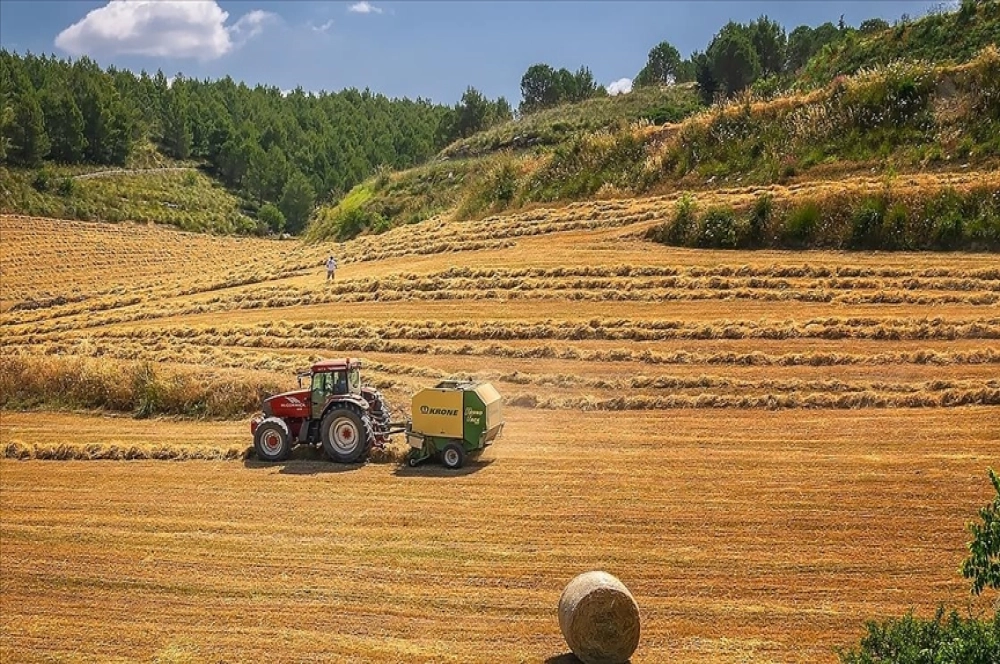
768, 448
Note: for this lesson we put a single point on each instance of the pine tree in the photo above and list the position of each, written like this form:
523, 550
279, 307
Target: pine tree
6, 122
177, 134
296, 202
29, 143
64, 126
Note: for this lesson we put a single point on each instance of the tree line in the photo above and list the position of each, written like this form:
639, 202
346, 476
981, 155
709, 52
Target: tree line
543, 86
274, 149
763, 55
737, 56
740, 54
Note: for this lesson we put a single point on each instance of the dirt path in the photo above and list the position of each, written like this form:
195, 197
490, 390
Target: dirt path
133, 171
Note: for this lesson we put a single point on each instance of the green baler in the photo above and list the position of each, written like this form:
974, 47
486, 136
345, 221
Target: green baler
453, 419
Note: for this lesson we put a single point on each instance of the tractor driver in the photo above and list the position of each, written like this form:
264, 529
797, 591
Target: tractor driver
340, 382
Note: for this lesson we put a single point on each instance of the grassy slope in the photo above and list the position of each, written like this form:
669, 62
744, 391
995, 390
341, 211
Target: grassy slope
150, 188
902, 117
185, 198
952, 37
657, 105
462, 175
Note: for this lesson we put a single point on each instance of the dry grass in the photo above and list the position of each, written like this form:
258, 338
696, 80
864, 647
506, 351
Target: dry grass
767, 447
775, 542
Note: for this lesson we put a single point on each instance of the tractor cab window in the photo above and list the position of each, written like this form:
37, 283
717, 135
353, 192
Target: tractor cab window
354, 380
329, 383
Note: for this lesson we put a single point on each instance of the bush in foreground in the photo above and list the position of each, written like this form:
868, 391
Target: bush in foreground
941, 640
951, 639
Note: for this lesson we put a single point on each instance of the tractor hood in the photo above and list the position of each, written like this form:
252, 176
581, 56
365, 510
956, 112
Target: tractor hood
288, 404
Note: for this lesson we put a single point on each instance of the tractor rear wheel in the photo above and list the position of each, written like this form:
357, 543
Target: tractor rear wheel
453, 456
270, 441
347, 434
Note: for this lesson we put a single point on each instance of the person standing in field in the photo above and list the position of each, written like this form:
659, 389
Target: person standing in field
331, 268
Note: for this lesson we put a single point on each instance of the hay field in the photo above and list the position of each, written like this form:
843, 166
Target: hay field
768, 448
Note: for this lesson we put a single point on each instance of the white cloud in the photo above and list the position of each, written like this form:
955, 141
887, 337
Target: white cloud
364, 7
622, 86
322, 28
161, 28
250, 25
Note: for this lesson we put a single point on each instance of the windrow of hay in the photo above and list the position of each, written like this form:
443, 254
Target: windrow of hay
675, 383
366, 336
985, 396
683, 382
392, 454
141, 388
111, 452
286, 361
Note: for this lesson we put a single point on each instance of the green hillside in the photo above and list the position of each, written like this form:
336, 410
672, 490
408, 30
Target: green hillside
181, 196
483, 173
900, 117
945, 38
552, 126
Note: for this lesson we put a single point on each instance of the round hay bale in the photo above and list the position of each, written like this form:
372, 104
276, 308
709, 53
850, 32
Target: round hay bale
599, 619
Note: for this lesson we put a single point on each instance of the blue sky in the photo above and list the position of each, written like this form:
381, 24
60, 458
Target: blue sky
432, 50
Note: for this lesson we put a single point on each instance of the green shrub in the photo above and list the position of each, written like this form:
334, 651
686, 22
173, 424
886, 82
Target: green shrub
866, 224
895, 229
760, 219
801, 223
982, 566
505, 183
717, 229
911, 640
951, 640
378, 223
272, 217
42, 180
351, 223
148, 391
66, 186
949, 230
383, 176
684, 222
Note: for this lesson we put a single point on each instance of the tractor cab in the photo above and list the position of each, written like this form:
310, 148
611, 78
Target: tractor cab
333, 378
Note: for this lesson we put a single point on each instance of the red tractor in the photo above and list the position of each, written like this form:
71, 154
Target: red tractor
336, 413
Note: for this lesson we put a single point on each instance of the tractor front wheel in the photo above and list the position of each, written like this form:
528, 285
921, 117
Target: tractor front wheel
453, 456
347, 435
270, 441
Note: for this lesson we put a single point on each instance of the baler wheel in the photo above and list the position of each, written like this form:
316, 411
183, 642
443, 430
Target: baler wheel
453, 456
